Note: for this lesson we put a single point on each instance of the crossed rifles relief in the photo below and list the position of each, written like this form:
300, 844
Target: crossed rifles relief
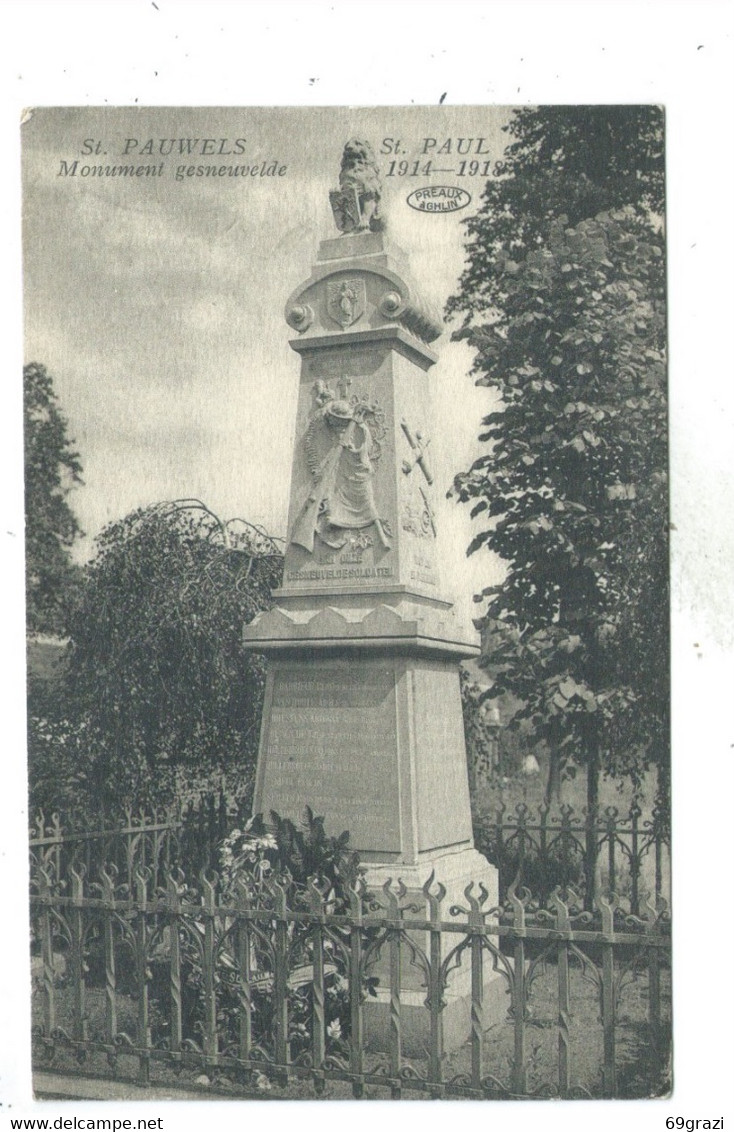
419, 447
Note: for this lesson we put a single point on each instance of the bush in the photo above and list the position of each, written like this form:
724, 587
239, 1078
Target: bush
270, 867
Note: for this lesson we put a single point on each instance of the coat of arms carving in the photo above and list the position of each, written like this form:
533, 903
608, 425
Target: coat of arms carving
346, 301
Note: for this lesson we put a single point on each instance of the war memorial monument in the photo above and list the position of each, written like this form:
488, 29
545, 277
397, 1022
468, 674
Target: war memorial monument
362, 719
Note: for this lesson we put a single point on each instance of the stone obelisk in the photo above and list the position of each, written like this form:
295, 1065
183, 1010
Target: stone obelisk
362, 717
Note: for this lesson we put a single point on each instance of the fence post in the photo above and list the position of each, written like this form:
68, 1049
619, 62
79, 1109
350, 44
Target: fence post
563, 925
280, 983
543, 810
566, 838
142, 876
108, 876
475, 924
501, 851
608, 1005
521, 811
635, 862
77, 958
318, 1010
652, 928
244, 966
47, 958
610, 815
211, 1038
356, 1045
57, 834
173, 902
211, 829
519, 1070
392, 907
592, 819
435, 986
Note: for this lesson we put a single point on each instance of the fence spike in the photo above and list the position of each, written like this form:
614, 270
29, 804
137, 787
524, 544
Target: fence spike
434, 898
173, 889
428, 883
108, 875
518, 913
317, 896
78, 872
607, 904
392, 897
209, 880
279, 896
474, 911
657, 907
141, 879
469, 894
357, 893
561, 907
45, 880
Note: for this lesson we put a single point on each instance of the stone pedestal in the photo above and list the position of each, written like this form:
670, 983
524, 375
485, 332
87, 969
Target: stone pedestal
362, 718
368, 740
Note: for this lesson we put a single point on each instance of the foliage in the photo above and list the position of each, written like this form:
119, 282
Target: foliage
572, 161
566, 315
493, 752
254, 862
59, 756
290, 854
479, 734
157, 672
52, 469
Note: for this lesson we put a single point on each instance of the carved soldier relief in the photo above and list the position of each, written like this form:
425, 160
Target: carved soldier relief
343, 448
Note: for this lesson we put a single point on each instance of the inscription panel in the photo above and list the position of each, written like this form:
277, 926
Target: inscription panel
331, 744
442, 786
338, 574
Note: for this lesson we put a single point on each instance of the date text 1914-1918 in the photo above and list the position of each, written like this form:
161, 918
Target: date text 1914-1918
427, 168
474, 151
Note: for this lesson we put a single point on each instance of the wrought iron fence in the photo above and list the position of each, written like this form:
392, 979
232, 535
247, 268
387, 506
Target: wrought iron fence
546, 847
186, 836
608, 850
270, 988
127, 842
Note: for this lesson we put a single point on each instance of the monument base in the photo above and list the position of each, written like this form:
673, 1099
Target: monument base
373, 742
455, 872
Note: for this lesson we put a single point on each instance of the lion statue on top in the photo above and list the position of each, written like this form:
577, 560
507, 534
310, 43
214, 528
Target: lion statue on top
356, 203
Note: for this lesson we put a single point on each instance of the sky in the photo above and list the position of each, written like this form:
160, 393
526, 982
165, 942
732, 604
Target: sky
157, 303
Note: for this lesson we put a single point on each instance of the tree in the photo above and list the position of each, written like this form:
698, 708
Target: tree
157, 674
52, 469
563, 302
572, 161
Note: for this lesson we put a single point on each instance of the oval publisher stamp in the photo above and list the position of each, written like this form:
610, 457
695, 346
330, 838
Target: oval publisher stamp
439, 198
